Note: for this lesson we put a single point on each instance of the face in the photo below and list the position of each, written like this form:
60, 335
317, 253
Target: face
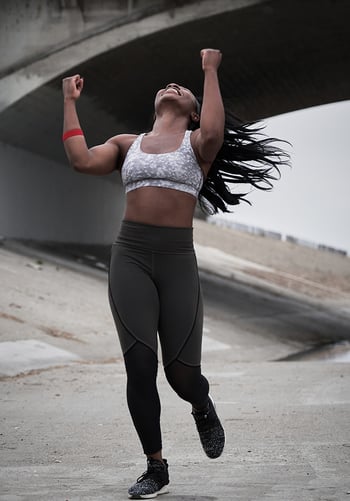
179, 94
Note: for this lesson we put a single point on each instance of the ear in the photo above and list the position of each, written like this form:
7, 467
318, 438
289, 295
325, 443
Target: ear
194, 116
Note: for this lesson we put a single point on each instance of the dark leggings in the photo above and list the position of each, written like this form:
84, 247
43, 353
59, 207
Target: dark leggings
154, 287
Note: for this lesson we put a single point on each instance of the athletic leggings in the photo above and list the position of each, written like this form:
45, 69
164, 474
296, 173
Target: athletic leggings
154, 288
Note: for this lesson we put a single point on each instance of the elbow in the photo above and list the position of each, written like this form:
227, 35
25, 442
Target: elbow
78, 162
79, 167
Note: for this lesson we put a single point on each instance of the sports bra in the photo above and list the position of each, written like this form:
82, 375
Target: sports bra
178, 170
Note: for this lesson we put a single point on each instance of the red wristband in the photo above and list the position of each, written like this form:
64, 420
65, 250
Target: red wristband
71, 133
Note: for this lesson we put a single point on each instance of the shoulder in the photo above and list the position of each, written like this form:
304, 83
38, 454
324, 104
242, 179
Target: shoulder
123, 143
122, 140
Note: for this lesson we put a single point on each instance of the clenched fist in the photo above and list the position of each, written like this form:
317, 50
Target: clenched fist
211, 59
72, 87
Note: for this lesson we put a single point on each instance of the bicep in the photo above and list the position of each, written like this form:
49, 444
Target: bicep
102, 159
206, 147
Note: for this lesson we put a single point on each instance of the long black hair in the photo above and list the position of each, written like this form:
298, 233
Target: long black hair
247, 157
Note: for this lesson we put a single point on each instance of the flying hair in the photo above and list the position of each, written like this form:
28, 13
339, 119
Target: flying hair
247, 157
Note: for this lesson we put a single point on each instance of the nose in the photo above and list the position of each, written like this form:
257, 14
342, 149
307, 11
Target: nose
173, 85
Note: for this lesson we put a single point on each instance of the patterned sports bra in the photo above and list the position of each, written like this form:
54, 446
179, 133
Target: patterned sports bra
178, 170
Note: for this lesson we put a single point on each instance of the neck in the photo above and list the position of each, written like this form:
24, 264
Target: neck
167, 123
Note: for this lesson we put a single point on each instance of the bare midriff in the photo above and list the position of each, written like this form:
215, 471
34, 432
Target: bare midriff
160, 207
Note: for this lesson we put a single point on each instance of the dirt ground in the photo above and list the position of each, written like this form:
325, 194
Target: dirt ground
310, 271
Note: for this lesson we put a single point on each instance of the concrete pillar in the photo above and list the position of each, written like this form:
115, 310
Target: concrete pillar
45, 201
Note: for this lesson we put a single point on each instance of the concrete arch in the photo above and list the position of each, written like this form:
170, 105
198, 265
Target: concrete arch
92, 42
278, 57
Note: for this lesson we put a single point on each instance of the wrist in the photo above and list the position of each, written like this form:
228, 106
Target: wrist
210, 70
69, 100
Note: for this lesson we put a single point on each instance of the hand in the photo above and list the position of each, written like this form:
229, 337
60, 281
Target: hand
72, 87
211, 59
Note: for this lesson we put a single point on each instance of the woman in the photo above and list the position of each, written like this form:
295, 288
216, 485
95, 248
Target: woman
153, 278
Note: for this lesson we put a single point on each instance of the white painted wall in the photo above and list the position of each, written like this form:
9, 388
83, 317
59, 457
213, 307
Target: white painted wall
47, 201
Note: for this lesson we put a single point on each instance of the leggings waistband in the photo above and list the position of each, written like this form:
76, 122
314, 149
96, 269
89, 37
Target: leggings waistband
155, 238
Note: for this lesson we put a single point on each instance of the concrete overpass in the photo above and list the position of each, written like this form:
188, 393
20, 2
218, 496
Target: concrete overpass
279, 56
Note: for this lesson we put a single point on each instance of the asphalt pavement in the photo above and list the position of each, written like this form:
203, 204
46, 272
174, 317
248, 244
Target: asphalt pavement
66, 433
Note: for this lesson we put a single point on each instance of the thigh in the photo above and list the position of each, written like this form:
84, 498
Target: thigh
133, 297
181, 309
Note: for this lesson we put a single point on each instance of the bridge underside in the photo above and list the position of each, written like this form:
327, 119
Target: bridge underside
278, 57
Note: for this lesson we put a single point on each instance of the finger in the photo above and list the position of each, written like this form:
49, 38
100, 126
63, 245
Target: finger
72, 77
79, 84
210, 50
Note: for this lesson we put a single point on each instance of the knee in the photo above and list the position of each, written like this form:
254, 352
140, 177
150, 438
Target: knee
140, 378
141, 367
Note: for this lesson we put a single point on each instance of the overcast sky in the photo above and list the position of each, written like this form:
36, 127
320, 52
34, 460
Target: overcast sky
312, 199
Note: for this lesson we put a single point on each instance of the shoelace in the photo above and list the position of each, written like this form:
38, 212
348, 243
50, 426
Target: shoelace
143, 476
199, 416
150, 470
204, 422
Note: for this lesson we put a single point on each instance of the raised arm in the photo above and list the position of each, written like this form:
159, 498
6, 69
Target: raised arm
98, 160
209, 138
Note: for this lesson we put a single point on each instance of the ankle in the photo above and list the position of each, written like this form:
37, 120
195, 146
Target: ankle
200, 410
157, 456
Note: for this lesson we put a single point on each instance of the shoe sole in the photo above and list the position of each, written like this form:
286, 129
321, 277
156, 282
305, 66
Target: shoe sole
163, 490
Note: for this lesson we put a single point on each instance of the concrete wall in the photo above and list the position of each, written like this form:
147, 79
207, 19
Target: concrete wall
72, 207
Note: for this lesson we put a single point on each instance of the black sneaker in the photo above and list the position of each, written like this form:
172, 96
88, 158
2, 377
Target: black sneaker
211, 432
152, 482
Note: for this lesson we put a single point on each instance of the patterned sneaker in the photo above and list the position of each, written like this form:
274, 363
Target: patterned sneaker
211, 432
152, 482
